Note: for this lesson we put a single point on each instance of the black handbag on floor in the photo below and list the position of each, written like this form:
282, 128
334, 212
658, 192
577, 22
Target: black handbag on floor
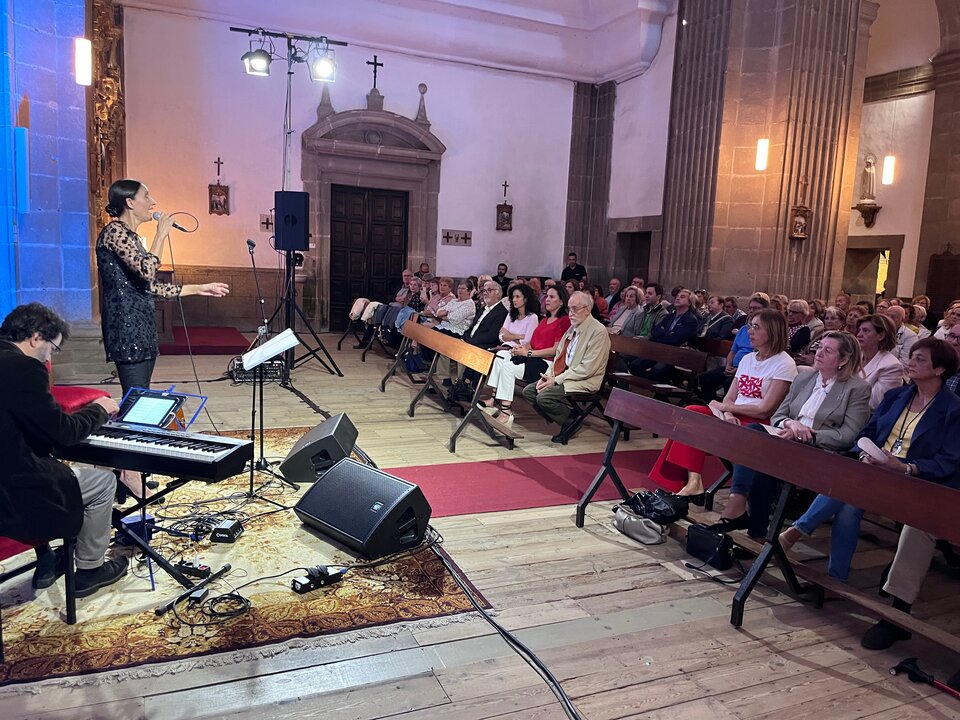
647, 504
710, 547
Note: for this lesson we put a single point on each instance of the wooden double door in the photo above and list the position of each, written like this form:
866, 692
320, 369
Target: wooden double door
368, 247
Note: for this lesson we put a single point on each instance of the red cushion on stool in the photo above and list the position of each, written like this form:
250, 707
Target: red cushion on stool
72, 398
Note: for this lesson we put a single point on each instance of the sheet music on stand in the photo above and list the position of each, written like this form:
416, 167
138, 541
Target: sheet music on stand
286, 340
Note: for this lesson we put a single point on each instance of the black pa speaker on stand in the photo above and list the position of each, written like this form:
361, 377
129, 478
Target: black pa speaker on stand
319, 449
365, 509
292, 216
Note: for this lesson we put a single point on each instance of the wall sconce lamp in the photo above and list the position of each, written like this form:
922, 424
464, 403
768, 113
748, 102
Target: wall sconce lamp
763, 150
82, 61
886, 175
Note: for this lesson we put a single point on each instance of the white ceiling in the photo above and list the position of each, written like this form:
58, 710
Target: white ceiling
584, 40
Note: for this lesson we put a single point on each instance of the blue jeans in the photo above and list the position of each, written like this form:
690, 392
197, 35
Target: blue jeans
844, 535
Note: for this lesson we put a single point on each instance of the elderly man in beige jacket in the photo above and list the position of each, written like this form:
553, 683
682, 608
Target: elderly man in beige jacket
578, 366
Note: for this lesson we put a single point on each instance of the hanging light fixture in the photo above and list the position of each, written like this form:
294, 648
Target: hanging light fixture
256, 61
321, 62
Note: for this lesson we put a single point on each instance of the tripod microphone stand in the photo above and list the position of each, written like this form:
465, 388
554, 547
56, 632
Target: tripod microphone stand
261, 463
291, 310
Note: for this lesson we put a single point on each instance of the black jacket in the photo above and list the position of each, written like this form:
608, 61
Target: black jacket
682, 333
487, 335
39, 495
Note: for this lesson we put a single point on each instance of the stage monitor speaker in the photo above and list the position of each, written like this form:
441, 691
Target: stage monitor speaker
292, 218
317, 451
369, 511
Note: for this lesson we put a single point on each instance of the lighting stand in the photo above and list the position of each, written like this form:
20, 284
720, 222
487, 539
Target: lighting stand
260, 464
291, 310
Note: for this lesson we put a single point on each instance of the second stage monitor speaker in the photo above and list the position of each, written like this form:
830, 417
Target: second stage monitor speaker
314, 453
292, 218
365, 509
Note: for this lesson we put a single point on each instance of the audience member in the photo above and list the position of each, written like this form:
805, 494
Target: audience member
573, 270
652, 311
916, 426
833, 321
952, 338
501, 277
676, 329
732, 308
626, 321
579, 365
527, 361
712, 381
881, 369
905, 337
424, 270
825, 408
853, 317
613, 294
401, 298
798, 312
950, 318
842, 301
718, 323
599, 302
762, 381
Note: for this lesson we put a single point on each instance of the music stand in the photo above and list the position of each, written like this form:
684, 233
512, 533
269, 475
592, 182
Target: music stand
253, 360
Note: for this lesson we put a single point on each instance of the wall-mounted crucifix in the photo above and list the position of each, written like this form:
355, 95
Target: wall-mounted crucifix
505, 211
218, 163
375, 65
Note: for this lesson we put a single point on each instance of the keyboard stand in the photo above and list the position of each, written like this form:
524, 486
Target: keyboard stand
139, 542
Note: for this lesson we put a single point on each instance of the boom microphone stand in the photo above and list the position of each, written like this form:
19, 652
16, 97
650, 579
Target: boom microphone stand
261, 463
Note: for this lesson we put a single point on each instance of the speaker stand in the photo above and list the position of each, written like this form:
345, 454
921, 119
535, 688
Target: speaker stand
291, 309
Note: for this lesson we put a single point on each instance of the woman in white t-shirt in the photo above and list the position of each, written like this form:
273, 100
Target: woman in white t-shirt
761, 383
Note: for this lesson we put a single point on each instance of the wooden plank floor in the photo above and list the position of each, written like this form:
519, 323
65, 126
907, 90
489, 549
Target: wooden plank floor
629, 631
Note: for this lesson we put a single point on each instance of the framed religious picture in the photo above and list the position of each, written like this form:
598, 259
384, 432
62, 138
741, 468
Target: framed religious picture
799, 222
504, 217
218, 199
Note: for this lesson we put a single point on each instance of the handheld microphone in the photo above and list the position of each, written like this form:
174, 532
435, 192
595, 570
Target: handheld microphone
251, 244
156, 216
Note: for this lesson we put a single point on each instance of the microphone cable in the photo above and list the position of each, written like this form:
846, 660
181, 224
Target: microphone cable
186, 333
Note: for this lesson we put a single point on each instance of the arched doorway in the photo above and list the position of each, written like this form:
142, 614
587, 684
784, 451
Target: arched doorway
369, 149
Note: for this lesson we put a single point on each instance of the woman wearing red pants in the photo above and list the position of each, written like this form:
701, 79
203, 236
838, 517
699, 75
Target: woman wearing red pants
762, 381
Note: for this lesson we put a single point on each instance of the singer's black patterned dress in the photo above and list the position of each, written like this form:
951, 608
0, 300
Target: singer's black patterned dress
127, 273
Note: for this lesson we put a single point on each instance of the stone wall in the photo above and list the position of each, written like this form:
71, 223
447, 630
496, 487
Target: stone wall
53, 238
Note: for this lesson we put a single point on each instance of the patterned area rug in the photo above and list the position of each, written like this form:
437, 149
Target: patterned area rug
118, 627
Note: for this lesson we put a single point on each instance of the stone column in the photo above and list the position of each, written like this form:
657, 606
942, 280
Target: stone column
789, 71
940, 224
588, 186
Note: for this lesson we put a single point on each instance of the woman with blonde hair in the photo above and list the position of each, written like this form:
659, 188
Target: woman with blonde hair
825, 408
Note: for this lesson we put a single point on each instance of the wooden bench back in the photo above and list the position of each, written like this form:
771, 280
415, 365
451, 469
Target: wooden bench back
913, 501
695, 360
459, 351
713, 347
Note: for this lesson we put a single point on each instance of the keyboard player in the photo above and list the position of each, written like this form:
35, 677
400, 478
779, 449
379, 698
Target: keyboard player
41, 498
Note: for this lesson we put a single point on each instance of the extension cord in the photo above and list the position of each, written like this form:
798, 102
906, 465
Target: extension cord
316, 577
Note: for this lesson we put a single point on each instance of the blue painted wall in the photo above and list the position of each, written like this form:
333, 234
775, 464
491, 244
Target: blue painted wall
52, 239
8, 268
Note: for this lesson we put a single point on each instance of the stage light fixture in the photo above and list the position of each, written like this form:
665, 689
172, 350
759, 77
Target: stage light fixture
257, 62
321, 64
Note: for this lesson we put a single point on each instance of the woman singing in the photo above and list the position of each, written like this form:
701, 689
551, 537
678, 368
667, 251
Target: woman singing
127, 277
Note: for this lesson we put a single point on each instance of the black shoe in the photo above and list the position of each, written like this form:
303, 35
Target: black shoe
883, 635
729, 524
50, 566
559, 438
89, 581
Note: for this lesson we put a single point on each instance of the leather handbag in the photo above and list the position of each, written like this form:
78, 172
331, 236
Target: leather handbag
647, 504
710, 547
642, 529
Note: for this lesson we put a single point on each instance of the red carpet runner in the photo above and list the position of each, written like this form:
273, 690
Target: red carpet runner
207, 341
477, 487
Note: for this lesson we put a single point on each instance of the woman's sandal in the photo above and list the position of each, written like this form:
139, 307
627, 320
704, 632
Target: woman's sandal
504, 416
